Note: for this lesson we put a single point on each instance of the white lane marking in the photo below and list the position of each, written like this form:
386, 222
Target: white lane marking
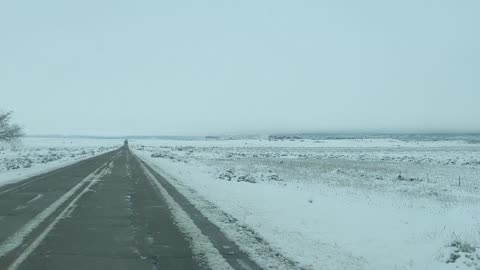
244, 265
46, 174
36, 198
69, 212
32, 200
20, 259
201, 246
18, 237
20, 187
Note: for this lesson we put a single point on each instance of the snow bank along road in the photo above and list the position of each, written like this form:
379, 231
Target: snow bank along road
108, 212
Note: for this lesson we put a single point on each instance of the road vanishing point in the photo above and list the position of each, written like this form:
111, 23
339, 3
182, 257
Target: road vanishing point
112, 211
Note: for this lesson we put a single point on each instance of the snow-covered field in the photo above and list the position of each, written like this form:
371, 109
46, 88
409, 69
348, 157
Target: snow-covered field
39, 155
334, 204
319, 204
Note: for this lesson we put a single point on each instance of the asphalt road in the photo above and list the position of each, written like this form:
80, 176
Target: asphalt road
107, 212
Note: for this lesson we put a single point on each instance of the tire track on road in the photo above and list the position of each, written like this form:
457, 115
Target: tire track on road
206, 239
22, 184
20, 239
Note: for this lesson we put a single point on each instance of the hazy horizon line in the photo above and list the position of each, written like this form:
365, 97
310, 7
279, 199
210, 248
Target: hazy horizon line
444, 133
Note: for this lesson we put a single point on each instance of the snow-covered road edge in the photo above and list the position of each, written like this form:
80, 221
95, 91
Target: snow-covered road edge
246, 238
341, 226
15, 176
202, 248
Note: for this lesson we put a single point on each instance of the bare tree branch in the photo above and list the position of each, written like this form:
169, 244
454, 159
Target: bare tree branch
9, 132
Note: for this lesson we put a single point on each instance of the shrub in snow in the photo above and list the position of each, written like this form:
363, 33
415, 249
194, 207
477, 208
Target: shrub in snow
463, 253
226, 175
411, 179
233, 175
26, 158
461, 246
162, 155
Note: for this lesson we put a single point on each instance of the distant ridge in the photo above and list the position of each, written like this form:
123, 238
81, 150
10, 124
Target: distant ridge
118, 137
467, 137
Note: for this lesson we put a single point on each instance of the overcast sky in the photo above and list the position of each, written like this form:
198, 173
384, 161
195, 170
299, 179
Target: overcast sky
209, 67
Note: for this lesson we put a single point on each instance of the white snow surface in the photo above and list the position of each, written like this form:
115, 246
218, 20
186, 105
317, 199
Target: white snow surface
335, 204
35, 156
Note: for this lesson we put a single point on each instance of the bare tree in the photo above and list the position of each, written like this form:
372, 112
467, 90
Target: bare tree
9, 132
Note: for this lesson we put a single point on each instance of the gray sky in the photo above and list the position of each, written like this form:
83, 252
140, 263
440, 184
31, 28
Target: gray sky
207, 67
